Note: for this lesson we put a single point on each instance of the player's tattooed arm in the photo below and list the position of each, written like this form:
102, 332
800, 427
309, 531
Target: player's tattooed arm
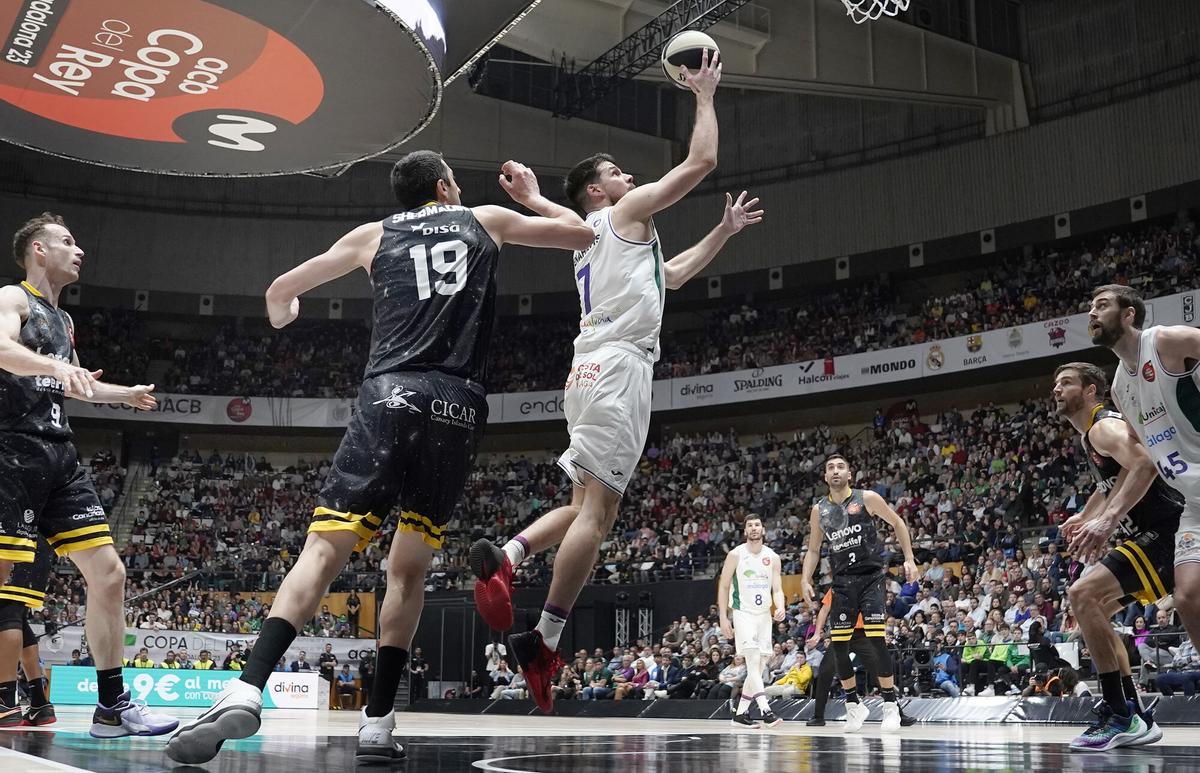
354, 250
815, 537
1178, 347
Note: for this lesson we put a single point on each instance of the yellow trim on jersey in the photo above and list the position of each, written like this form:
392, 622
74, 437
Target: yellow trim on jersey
27, 596
1158, 586
32, 289
87, 544
874, 634
19, 542
93, 529
16, 556
1092, 419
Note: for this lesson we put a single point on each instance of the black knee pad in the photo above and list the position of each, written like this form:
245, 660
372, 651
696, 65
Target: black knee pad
12, 615
841, 654
883, 659
30, 638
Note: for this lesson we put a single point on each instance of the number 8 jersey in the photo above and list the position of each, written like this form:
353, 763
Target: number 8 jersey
434, 286
33, 405
621, 289
1164, 409
750, 590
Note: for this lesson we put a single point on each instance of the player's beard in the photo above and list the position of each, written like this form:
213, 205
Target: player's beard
1108, 334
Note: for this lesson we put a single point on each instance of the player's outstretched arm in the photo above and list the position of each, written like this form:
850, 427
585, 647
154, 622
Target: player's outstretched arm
815, 538
685, 265
1116, 439
354, 250
558, 227
878, 507
727, 570
19, 360
138, 397
640, 204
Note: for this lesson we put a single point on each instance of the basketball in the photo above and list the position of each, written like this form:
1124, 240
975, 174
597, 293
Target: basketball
685, 50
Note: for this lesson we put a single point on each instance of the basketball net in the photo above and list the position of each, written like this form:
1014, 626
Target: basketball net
864, 10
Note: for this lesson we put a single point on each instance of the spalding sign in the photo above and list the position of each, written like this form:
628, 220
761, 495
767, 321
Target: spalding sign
226, 88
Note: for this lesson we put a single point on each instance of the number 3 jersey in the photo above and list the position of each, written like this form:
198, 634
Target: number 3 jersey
750, 590
854, 543
1164, 409
621, 290
33, 405
434, 283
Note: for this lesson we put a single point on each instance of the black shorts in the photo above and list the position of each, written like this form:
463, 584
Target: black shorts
854, 595
411, 442
27, 584
1144, 565
43, 490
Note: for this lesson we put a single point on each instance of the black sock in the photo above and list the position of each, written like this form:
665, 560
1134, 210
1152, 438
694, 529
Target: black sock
275, 637
1131, 692
1114, 693
111, 686
851, 694
389, 670
888, 693
37, 692
8, 693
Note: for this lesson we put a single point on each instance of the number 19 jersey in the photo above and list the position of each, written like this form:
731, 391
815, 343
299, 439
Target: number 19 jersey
621, 290
434, 287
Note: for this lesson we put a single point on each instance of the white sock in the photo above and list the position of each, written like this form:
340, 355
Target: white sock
761, 700
515, 551
550, 627
743, 704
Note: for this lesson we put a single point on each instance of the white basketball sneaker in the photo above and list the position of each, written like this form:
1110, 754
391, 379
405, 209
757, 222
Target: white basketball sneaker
237, 713
856, 714
891, 717
375, 741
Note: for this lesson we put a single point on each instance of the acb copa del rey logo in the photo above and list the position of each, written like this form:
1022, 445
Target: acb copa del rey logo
212, 87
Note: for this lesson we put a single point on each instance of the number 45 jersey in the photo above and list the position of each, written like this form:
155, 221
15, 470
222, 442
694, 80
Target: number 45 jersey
1164, 409
434, 282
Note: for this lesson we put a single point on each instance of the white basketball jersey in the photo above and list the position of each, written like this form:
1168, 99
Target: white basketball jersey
751, 587
1164, 409
621, 290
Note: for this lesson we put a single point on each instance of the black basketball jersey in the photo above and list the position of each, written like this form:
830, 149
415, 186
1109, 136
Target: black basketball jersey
434, 280
854, 546
33, 405
1162, 506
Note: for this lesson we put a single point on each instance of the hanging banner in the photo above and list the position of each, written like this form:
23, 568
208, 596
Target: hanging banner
1034, 340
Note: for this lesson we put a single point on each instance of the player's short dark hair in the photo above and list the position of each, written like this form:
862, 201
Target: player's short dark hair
582, 175
831, 457
1127, 298
752, 517
30, 232
1089, 375
415, 178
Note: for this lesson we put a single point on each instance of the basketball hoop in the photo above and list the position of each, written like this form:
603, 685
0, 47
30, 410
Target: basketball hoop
864, 10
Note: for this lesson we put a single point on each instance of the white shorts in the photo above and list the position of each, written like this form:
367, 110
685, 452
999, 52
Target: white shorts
607, 403
752, 631
1187, 539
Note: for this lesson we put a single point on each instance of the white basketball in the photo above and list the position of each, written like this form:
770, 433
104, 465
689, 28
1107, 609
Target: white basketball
686, 50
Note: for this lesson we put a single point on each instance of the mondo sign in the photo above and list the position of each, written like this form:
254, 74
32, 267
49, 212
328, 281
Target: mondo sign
218, 87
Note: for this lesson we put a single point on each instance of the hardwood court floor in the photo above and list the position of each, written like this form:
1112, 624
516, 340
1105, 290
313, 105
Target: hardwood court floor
310, 741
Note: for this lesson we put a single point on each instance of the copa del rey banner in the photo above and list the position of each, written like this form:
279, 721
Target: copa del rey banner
953, 355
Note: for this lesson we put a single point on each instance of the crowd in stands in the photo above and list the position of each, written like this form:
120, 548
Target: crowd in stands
326, 359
